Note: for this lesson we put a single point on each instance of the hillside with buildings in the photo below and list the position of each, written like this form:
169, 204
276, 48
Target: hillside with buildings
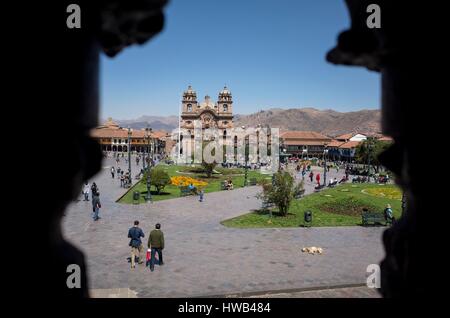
327, 122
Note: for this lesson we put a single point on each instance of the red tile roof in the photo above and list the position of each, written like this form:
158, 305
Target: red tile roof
159, 134
120, 133
335, 144
303, 135
350, 145
304, 142
385, 138
344, 136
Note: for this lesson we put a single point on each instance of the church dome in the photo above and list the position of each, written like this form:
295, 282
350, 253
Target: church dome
225, 91
189, 90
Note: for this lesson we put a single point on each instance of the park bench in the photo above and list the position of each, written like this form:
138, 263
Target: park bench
252, 182
318, 188
299, 194
185, 191
373, 217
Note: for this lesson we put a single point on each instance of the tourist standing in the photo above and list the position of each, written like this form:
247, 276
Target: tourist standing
202, 193
86, 190
135, 233
156, 244
96, 205
112, 172
311, 176
318, 179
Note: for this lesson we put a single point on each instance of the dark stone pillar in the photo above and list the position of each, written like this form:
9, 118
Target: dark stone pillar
66, 103
396, 50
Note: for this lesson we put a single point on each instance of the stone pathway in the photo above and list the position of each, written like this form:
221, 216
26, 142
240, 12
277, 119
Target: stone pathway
204, 258
345, 292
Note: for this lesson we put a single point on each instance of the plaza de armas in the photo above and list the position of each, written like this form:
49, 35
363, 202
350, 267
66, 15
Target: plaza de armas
350, 160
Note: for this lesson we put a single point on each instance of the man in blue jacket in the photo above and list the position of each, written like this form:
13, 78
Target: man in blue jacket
135, 233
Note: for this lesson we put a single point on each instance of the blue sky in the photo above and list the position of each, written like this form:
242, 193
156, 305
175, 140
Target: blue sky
270, 53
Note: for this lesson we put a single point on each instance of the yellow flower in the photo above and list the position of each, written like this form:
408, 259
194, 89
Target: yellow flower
185, 181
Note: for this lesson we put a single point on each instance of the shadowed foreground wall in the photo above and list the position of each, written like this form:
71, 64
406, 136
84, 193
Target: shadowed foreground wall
67, 104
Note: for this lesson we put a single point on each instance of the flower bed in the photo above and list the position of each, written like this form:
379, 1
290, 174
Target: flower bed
183, 181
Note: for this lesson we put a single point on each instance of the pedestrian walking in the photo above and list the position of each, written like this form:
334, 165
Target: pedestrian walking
318, 179
135, 233
94, 190
86, 190
156, 244
96, 206
201, 194
113, 172
311, 176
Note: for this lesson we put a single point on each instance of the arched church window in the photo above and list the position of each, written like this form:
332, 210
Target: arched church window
189, 107
225, 107
225, 132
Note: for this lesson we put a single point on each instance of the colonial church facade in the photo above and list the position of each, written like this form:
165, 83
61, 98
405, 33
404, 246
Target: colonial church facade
211, 114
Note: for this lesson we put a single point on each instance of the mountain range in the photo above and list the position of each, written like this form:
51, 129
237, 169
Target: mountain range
328, 122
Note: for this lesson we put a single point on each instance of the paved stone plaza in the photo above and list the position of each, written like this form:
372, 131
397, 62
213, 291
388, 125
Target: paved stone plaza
204, 258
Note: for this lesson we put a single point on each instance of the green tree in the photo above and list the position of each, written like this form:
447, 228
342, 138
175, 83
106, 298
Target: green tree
158, 178
280, 191
370, 148
208, 167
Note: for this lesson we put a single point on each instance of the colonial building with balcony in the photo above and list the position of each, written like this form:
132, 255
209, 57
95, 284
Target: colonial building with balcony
304, 143
112, 137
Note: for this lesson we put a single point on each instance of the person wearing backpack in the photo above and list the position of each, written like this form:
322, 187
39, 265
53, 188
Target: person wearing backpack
135, 233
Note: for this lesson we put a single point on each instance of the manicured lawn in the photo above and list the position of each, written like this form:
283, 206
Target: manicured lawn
172, 191
340, 206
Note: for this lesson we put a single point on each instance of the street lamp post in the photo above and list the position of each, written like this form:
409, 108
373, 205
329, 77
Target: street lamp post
129, 152
246, 150
143, 155
369, 148
149, 195
325, 153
